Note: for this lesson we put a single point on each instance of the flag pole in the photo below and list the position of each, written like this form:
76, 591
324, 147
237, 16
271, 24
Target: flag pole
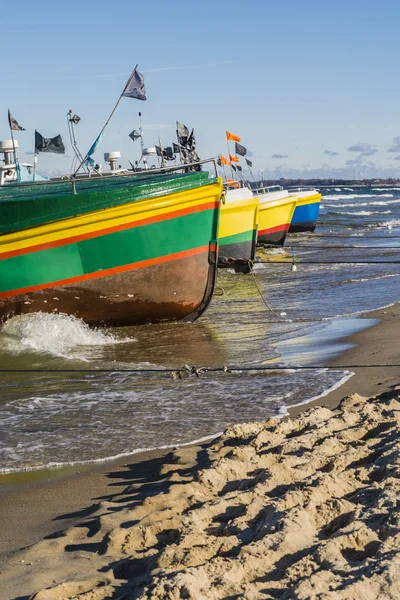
34, 164
15, 155
162, 153
229, 155
111, 115
141, 140
179, 144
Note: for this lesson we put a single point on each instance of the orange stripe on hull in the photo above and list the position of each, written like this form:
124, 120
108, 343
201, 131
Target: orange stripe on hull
86, 236
138, 265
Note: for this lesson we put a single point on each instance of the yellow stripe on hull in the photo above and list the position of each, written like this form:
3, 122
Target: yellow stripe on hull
237, 217
276, 213
303, 201
99, 220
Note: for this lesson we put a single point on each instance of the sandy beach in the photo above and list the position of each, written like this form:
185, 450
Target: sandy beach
302, 508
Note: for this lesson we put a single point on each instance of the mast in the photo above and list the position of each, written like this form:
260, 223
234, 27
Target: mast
17, 169
142, 141
109, 118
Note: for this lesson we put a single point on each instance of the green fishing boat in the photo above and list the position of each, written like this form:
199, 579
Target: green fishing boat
114, 250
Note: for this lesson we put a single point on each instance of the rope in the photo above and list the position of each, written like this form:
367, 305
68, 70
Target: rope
192, 370
262, 297
348, 235
343, 247
330, 262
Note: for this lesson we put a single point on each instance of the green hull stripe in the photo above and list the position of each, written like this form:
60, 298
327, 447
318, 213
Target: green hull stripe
108, 251
237, 238
22, 207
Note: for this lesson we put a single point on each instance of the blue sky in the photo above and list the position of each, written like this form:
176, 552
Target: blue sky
301, 82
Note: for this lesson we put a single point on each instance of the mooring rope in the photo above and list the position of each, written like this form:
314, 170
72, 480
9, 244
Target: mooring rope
193, 370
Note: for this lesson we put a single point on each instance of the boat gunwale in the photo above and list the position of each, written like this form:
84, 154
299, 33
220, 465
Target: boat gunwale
146, 173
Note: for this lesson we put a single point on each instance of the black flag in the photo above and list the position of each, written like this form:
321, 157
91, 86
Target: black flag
54, 144
191, 142
168, 153
249, 163
182, 133
239, 149
158, 151
176, 148
14, 125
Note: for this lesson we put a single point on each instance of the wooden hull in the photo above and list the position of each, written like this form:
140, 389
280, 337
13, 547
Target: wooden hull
274, 218
140, 262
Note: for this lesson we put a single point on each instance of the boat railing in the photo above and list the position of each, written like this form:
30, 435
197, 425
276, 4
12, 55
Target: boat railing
267, 190
301, 189
160, 171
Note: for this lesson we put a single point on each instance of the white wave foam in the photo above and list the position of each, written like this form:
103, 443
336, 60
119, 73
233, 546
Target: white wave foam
275, 251
392, 223
357, 204
284, 412
349, 196
55, 334
371, 278
365, 213
74, 463
385, 189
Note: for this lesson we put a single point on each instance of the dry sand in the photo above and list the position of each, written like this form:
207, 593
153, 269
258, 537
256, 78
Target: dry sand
304, 508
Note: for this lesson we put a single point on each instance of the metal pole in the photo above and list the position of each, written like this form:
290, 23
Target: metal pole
111, 115
229, 158
17, 169
162, 153
142, 141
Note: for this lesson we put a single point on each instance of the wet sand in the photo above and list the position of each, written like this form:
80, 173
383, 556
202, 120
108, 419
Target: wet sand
100, 500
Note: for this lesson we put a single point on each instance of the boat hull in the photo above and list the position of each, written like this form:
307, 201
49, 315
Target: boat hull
306, 214
237, 234
142, 262
274, 220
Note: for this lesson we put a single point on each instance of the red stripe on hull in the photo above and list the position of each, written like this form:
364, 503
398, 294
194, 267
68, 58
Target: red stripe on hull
274, 229
93, 234
105, 272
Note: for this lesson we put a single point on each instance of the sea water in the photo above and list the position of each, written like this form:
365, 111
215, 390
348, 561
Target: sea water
95, 393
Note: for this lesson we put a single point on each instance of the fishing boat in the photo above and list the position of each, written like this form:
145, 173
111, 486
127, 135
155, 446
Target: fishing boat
112, 250
276, 210
237, 233
307, 209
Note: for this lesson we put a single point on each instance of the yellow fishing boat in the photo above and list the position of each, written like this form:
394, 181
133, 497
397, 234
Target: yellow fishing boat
237, 234
275, 213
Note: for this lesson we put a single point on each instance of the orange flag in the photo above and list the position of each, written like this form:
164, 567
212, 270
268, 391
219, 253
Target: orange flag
233, 158
224, 160
232, 136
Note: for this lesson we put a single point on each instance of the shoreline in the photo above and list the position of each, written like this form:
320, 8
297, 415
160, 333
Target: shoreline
60, 498
377, 344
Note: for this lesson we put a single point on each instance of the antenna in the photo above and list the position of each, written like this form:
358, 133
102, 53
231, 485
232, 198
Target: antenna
74, 120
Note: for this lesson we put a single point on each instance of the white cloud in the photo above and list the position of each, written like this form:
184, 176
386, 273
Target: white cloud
363, 148
396, 145
158, 70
